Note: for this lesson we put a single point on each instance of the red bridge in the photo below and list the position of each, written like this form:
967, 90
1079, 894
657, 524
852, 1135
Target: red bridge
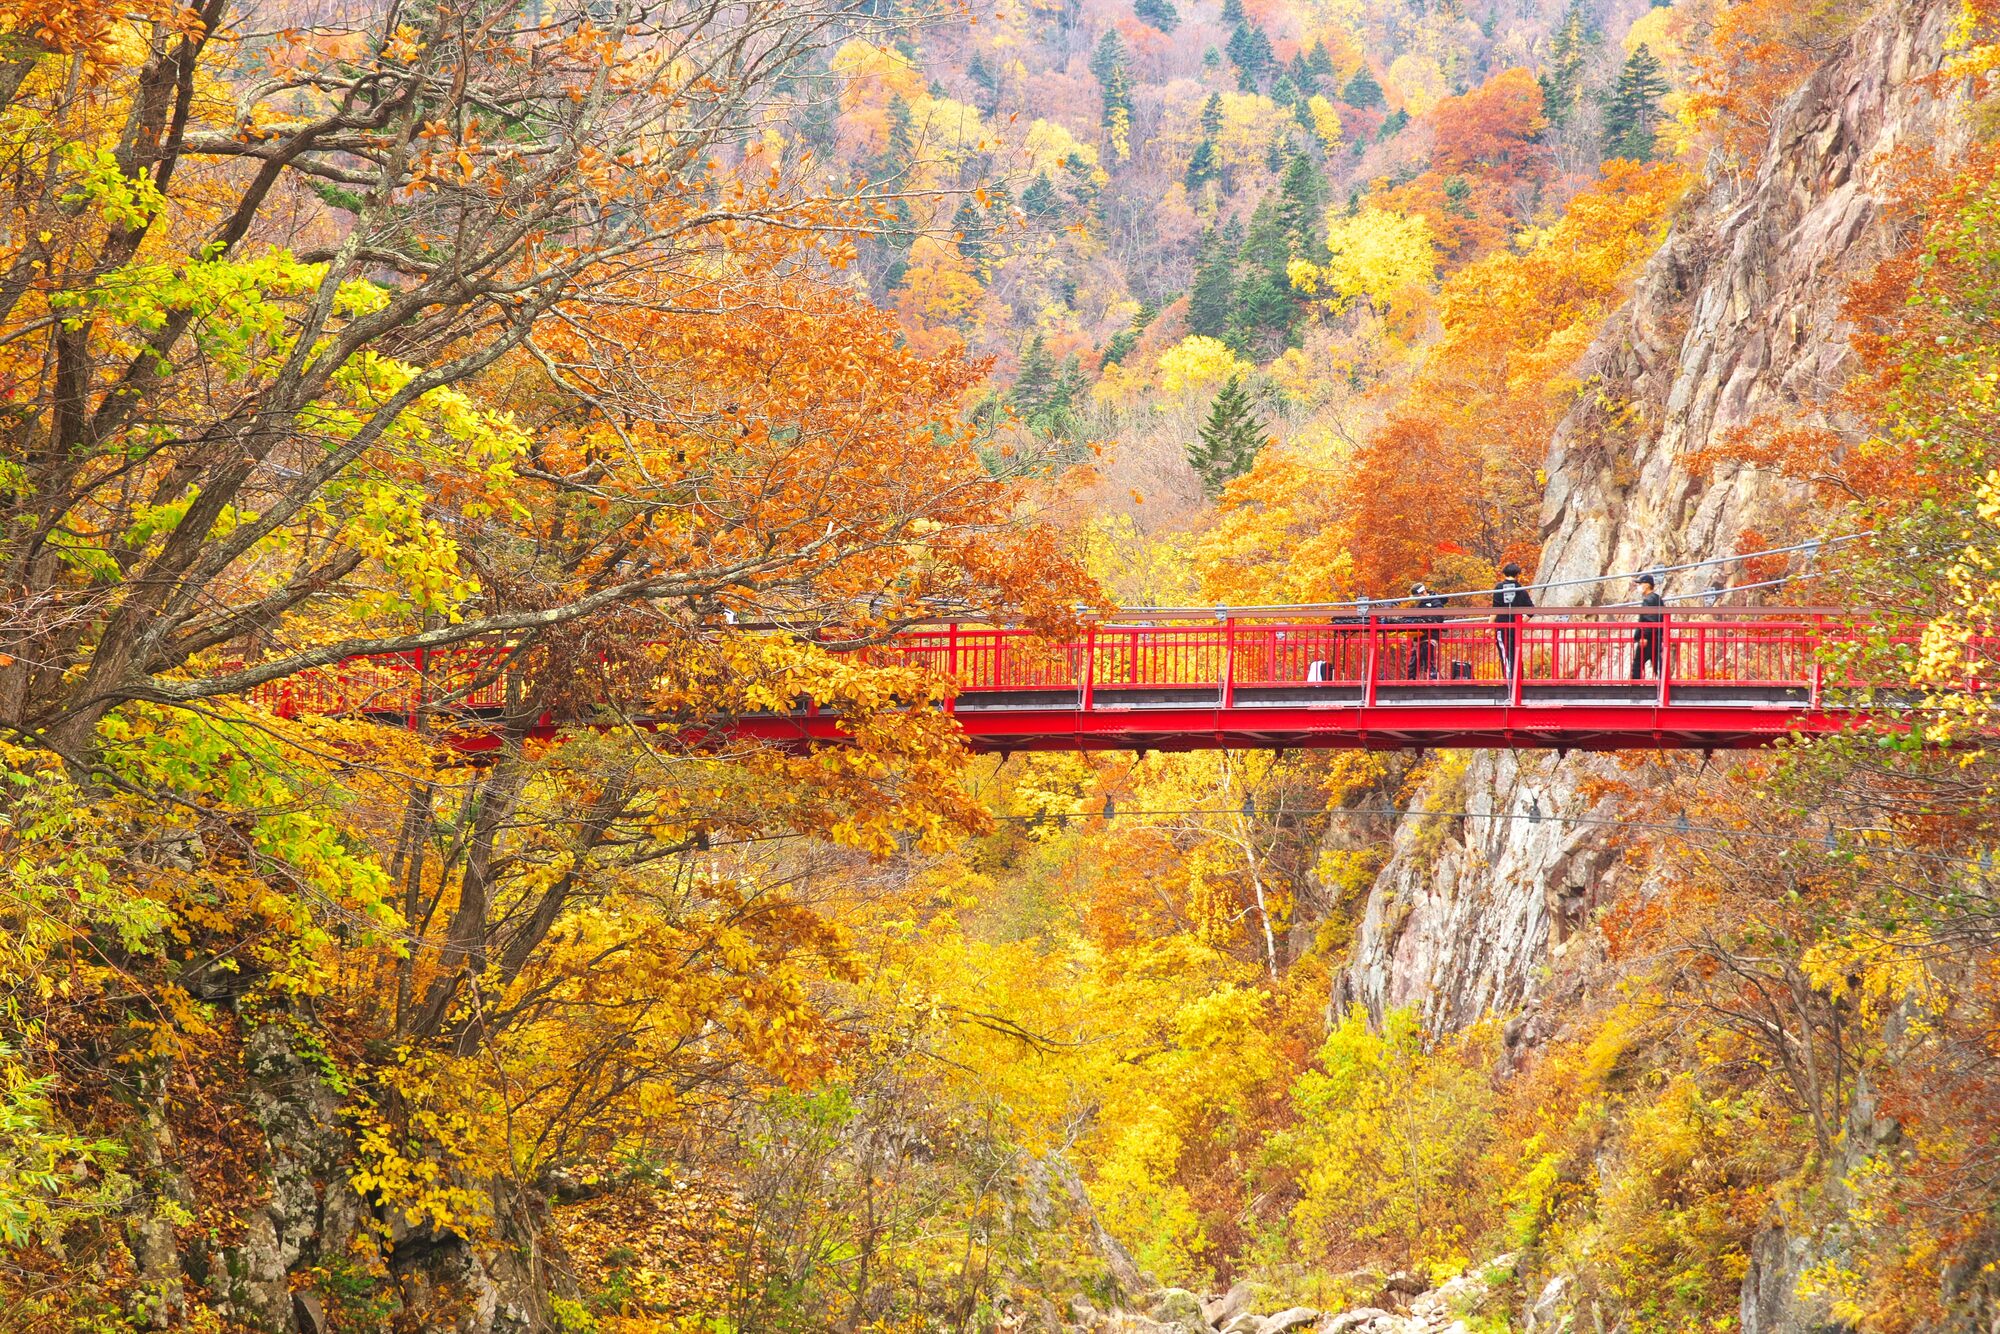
1560, 678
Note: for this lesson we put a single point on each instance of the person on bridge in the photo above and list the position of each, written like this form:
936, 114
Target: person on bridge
1649, 640
1424, 653
1507, 595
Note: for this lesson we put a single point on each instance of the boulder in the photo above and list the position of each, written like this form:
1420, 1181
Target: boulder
1244, 1322
1228, 1306
1177, 1308
1546, 1313
1361, 1320
1298, 1317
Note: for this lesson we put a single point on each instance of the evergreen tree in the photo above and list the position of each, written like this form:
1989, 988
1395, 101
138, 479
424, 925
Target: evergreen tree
1301, 197
1211, 116
1302, 76
1211, 60
983, 79
1283, 91
1039, 199
1362, 90
1392, 124
1120, 347
1570, 48
1034, 380
1319, 62
1232, 11
1229, 440
1122, 342
1108, 54
902, 137
1107, 62
970, 224
1201, 166
1251, 50
1267, 310
1213, 300
1458, 191
1160, 14
1060, 415
1631, 122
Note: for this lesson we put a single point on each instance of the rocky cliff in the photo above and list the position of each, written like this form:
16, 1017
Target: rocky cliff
1736, 320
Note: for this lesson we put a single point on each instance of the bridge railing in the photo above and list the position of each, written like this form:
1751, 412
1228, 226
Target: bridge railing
1408, 654
1773, 650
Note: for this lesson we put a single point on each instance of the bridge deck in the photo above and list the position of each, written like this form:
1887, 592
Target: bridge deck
1559, 678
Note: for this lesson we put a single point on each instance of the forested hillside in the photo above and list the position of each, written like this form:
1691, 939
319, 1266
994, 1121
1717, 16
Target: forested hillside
619, 372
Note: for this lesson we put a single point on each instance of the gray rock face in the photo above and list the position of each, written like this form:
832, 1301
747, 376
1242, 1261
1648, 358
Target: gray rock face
1736, 319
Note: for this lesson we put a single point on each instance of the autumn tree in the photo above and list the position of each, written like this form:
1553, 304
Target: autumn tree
398, 341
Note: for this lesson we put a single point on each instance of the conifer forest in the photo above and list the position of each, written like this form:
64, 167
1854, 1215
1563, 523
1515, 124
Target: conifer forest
438, 437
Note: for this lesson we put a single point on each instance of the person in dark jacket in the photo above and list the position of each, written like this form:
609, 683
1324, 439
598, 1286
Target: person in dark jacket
1424, 653
1649, 640
1507, 595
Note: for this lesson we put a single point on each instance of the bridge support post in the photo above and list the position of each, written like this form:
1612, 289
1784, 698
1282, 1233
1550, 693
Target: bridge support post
1228, 684
1089, 665
951, 666
1665, 665
1369, 672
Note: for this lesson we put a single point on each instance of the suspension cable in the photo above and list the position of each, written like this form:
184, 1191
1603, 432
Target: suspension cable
1657, 571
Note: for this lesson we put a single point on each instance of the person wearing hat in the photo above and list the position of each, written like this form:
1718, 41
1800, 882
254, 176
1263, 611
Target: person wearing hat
1650, 641
1507, 595
1424, 653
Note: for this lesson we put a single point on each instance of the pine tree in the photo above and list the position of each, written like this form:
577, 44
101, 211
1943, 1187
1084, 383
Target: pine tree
1108, 54
1160, 14
1301, 197
1362, 90
1070, 382
1107, 62
1229, 440
1320, 62
1242, 48
970, 224
1211, 116
1213, 300
1631, 122
1039, 199
983, 79
1283, 91
1201, 166
1267, 310
1034, 380
1392, 124
902, 137
1232, 11
1569, 57
1120, 347
1301, 75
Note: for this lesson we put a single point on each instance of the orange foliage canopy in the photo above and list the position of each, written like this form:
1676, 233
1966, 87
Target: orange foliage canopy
1486, 168
1456, 470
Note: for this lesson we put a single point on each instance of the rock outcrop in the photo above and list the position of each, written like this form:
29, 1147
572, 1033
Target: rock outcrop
1446, 1309
1737, 319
